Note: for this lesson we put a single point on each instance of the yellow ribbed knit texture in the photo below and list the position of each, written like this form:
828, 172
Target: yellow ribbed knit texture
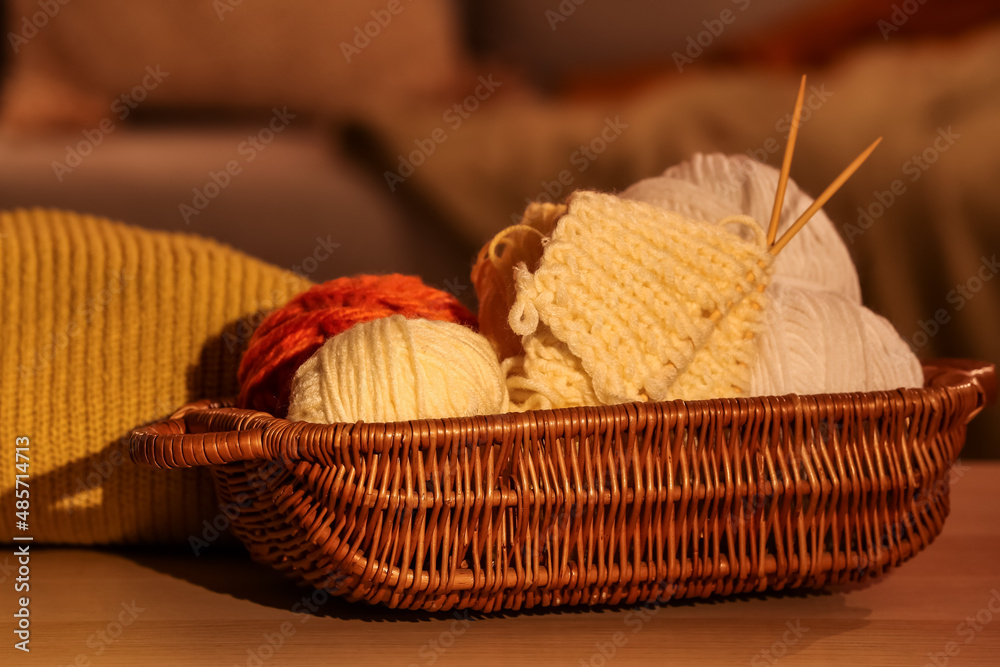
104, 327
632, 303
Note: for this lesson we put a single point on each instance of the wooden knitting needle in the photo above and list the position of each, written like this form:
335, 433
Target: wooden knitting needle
786, 165
823, 198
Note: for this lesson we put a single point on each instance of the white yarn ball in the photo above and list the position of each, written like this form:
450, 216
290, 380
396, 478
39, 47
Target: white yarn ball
398, 369
816, 341
712, 187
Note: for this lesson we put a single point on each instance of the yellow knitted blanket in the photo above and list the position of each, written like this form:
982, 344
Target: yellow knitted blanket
104, 327
631, 302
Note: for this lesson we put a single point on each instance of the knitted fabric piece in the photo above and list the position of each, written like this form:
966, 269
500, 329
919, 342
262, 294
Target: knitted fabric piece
105, 327
547, 375
649, 305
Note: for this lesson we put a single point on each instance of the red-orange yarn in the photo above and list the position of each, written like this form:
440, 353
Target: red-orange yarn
291, 334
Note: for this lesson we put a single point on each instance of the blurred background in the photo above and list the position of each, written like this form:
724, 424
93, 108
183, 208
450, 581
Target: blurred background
393, 135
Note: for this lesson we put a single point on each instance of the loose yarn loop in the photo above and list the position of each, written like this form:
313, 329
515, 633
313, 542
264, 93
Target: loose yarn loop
711, 187
291, 334
493, 272
398, 369
644, 303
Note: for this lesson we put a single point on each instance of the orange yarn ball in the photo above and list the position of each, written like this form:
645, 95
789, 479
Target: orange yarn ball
291, 334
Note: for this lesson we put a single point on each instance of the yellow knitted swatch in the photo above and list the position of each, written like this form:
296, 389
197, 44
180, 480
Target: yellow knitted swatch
104, 327
631, 303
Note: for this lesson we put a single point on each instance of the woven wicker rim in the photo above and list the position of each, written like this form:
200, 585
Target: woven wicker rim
264, 437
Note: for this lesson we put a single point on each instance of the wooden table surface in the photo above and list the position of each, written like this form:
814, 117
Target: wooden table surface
91, 607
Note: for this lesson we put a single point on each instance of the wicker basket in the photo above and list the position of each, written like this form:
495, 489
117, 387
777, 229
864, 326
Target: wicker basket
600, 505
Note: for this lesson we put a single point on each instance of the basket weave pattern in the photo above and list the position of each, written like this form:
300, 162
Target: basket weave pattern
598, 505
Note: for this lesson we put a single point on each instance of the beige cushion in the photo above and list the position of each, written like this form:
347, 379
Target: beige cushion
73, 59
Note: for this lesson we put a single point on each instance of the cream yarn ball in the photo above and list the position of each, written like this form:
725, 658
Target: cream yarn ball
398, 369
